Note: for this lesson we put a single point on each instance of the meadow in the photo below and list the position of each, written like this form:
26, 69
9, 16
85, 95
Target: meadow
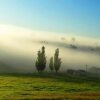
49, 86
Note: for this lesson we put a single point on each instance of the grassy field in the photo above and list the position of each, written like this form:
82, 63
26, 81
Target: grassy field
49, 86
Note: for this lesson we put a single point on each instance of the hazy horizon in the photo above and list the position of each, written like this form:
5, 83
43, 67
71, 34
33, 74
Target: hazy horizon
27, 25
19, 48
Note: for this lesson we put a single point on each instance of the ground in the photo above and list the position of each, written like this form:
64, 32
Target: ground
49, 86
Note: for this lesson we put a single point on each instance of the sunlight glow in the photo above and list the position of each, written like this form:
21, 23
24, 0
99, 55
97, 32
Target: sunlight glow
24, 43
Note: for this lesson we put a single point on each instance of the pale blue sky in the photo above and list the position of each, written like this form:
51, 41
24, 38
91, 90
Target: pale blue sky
80, 17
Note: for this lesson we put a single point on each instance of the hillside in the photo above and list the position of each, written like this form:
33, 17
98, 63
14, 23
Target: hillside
49, 86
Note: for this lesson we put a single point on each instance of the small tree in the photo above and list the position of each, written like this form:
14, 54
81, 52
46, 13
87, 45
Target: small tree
51, 66
41, 60
57, 60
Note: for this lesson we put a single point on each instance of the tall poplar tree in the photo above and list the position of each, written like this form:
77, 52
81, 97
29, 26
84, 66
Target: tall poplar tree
51, 65
41, 60
57, 60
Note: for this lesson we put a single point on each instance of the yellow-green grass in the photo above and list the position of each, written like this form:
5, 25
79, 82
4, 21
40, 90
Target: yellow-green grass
48, 86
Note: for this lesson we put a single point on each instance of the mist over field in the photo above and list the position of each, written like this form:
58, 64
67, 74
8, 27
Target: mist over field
19, 46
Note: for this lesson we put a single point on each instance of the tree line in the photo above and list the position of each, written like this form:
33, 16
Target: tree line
54, 62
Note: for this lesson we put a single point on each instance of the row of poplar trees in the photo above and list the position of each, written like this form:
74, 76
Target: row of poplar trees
54, 63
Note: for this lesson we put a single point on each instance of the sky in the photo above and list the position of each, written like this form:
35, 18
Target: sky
77, 17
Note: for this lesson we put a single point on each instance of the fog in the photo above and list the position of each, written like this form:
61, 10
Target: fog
19, 46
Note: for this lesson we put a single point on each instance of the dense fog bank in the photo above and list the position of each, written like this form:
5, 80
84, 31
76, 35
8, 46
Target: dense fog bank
19, 46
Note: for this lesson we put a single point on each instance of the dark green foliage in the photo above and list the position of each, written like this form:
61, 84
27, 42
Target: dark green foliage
51, 66
41, 60
57, 60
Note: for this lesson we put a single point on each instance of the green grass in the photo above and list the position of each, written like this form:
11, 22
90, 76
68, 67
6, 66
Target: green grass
49, 86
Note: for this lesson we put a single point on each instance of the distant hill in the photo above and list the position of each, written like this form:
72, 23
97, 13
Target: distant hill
94, 70
5, 68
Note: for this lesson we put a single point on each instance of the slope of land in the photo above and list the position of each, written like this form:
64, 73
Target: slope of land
49, 86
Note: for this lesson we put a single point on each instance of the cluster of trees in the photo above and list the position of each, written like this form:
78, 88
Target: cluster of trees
54, 64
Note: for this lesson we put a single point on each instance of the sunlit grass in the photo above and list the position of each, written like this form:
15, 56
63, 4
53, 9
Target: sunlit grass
48, 86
